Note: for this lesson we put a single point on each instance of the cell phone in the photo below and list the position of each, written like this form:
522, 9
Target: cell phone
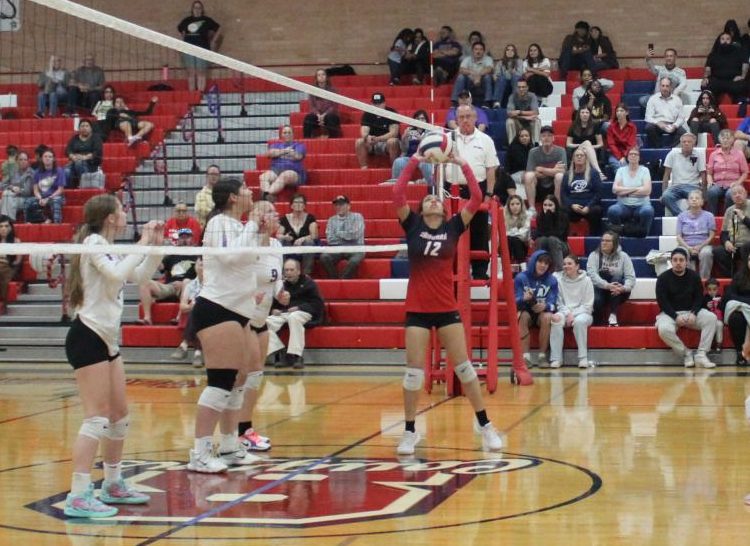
651, 46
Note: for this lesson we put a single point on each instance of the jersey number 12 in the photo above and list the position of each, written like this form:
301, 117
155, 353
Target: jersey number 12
432, 248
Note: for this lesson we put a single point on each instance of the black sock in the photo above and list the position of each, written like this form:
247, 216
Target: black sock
243, 426
410, 426
482, 418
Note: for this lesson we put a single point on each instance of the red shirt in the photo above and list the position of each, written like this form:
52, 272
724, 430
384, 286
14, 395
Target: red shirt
173, 225
619, 140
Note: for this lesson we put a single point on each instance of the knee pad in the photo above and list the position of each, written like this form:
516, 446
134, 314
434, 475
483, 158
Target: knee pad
254, 380
221, 378
95, 428
465, 372
214, 398
119, 429
413, 379
236, 398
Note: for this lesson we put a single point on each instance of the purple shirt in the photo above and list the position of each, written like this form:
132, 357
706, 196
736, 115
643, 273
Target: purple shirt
281, 164
695, 229
49, 181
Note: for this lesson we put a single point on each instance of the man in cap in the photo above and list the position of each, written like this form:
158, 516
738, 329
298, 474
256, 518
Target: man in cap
345, 228
545, 168
378, 135
465, 99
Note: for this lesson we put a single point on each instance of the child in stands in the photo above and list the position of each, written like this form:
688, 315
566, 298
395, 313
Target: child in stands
713, 299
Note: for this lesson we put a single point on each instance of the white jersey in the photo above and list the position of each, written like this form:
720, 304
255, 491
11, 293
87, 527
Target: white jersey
267, 271
229, 280
103, 277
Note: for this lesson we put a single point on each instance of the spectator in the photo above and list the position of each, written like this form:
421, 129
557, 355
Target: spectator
17, 188
446, 55
586, 134
611, 270
735, 232
596, 100
684, 171
581, 192
601, 47
49, 184
84, 151
517, 157
190, 291
733, 29
576, 51
10, 164
518, 226
726, 168
664, 116
378, 135
299, 228
199, 30
679, 293
508, 71
473, 37
742, 137
632, 214
409, 143
545, 168
38, 153
670, 70
122, 118
398, 49
621, 137
85, 85
10, 264
53, 86
536, 299
345, 228
176, 269
306, 309
586, 77
287, 168
536, 71
523, 112
695, 233
181, 220
726, 70
100, 111
417, 58
575, 308
735, 305
707, 117
204, 201
745, 39
464, 98
552, 231
324, 113
475, 75
712, 301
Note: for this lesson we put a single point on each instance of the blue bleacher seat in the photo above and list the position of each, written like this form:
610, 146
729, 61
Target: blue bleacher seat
636, 112
632, 245
399, 268
640, 87
497, 115
631, 99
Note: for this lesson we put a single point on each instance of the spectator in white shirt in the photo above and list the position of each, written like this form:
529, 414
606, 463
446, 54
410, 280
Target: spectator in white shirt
664, 116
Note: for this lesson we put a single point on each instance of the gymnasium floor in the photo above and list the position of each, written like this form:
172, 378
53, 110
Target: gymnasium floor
609, 456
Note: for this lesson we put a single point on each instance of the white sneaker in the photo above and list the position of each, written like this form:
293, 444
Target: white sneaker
238, 457
612, 320
542, 360
688, 360
491, 440
408, 443
583, 362
702, 360
555, 364
527, 360
205, 463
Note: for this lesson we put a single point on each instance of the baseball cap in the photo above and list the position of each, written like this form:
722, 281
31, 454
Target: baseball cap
378, 97
547, 129
465, 94
340, 199
183, 232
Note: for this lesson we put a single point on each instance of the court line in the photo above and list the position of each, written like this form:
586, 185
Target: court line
18, 418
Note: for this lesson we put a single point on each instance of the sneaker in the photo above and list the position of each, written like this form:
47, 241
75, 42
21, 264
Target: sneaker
688, 360
527, 360
408, 443
555, 364
583, 362
702, 360
179, 354
612, 321
238, 457
198, 360
39, 115
496, 105
252, 441
491, 440
542, 360
87, 506
205, 463
120, 492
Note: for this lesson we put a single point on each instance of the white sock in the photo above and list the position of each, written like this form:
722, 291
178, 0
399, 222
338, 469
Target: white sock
228, 443
112, 472
79, 483
204, 444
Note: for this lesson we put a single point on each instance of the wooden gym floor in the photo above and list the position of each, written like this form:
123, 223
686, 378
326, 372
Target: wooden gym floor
610, 456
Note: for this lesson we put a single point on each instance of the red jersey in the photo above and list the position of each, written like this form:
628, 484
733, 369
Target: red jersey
172, 226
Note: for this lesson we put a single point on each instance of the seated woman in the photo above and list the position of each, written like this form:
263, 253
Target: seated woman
621, 137
53, 85
518, 156
10, 264
324, 113
586, 134
100, 111
552, 231
736, 307
598, 103
695, 233
508, 71
286, 165
632, 214
396, 54
581, 192
601, 48
49, 184
726, 167
416, 60
126, 120
536, 71
518, 228
611, 271
575, 309
707, 117
299, 228
409, 143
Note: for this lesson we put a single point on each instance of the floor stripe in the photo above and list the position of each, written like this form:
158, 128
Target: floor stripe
18, 418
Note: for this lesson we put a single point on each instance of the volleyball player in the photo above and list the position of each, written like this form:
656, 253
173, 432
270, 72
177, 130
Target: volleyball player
91, 346
430, 301
220, 316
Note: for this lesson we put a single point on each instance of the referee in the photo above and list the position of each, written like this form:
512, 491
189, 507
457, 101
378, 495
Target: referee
478, 150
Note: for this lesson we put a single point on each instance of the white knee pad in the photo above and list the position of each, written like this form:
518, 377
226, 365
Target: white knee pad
94, 427
214, 398
254, 380
119, 429
465, 372
236, 399
413, 379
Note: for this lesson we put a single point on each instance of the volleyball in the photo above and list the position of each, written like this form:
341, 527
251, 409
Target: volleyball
435, 147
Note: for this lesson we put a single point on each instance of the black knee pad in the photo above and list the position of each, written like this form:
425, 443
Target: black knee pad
221, 378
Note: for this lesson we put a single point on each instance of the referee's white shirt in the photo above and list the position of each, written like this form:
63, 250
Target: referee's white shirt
478, 149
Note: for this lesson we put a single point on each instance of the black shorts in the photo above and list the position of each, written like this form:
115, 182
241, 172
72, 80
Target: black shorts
532, 315
84, 347
432, 320
260, 330
207, 313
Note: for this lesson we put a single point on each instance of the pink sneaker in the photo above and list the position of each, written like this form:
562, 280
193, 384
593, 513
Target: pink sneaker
120, 492
252, 441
